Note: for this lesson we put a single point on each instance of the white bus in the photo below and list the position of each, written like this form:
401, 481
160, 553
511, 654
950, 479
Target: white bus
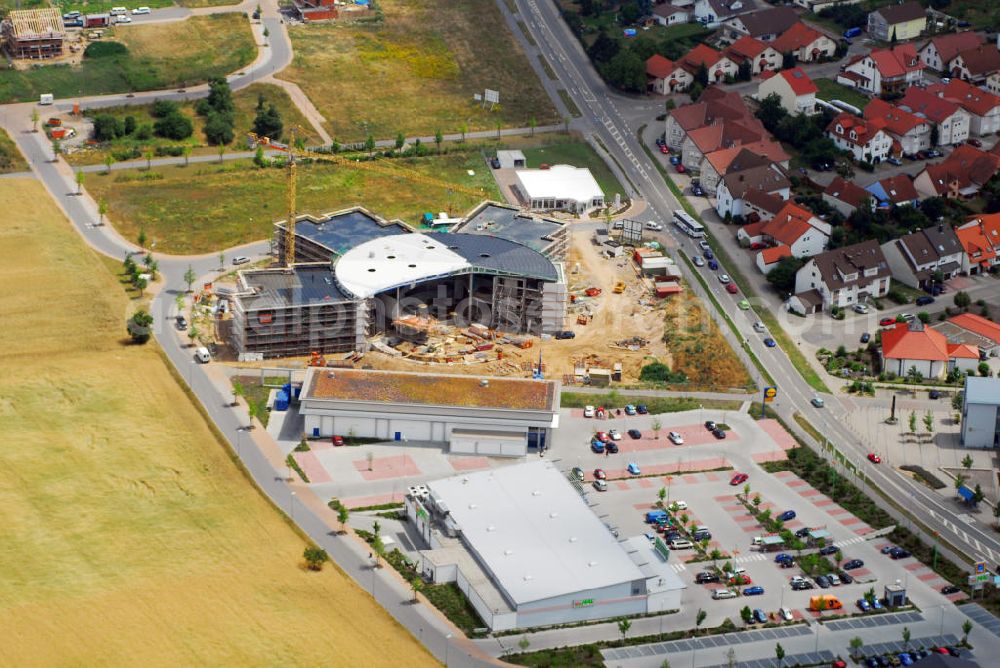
689, 225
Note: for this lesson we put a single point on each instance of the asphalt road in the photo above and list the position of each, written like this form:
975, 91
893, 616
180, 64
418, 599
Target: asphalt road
608, 116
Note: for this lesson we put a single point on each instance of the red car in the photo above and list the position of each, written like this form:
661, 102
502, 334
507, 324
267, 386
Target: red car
602, 437
664, 150
599, 474
739, 479
680, 168
885, 322
740, 580
731, 288
337, 440
757, 245
874, 459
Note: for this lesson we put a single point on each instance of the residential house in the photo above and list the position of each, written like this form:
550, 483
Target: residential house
862, 139
897, 22
993, 83
668, 15
715, 62
664, 76
726, 134
961, 174
975, 65
983, 107
713, 12
980, 239
916, 257
893, 191
761, 206
845, 196
717, 164
769, 258
912, 345
714, 106
885, 71
841, 277
911, 132
734, 187
805, 43
795, 89
940, 50
951, 121
794, 227
763, 24
761, 56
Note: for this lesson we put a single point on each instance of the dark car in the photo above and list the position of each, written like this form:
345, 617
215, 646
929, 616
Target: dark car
950, 589
704, 534
802, 585
713, 265
710, 425
822, 165
829, 549
697, 190
641, 409
787, 516
495, 163
866, 337
759, 616
708, 254
564, 334
934, 394
853, 564
719, 434
899, 553
803, 532
782, 557
823, 582
770, 343
675, 160
706, 577
635, 433
846, 578
611, 447
924, 301
182, 323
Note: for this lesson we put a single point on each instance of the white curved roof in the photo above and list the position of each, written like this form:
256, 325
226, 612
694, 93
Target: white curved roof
389, 262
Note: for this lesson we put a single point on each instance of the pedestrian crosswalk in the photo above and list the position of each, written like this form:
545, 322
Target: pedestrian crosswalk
748, 558
679, 567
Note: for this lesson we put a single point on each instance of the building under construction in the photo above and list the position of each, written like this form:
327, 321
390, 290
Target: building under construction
357, 276
33, 33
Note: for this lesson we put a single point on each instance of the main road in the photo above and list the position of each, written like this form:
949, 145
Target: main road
607, 116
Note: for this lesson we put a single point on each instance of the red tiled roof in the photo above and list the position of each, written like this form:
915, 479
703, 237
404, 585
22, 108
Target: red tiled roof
981, 60
864, 130
701, 55
847, 192
799, 81
753, 229
977, 324
796, 37
950, 45
897, 62
920, 343
659, 67
962, 351
897, 121
936, 109
976, 246
974, 100
775, 253
990, 223
899, 188
789, 224
746, 47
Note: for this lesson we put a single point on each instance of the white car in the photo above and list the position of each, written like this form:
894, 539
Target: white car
615, 434
588, 411
704, 245
786, 614
759, 327
724, 278
676, 438
656, 227
723, 593
142, 10
123, 18
679, 505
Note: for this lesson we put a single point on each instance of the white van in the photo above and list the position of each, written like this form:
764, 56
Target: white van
46, 98
117, 11
681, 545
202, 355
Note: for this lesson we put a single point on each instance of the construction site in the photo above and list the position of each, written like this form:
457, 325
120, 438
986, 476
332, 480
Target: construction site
499, 291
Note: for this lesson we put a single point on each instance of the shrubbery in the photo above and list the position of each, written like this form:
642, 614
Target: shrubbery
105, 50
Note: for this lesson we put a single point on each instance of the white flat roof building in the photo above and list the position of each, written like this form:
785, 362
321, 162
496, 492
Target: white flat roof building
560, 187
544, 549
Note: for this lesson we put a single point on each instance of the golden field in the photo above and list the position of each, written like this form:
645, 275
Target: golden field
130, 537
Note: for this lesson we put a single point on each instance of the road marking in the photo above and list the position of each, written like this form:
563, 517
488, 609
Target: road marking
679, 567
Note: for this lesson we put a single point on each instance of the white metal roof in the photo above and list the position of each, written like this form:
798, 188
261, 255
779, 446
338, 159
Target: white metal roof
400, 259
982, 391
560, 182
534, 532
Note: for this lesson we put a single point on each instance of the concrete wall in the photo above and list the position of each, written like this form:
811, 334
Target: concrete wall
980, 423
608, 602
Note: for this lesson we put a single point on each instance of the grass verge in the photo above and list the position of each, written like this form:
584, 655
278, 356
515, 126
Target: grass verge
237, 202
115, 457
160, 55
416, 70
655, 405
549, 72
11, 159
571, 107
527, 33
831, 90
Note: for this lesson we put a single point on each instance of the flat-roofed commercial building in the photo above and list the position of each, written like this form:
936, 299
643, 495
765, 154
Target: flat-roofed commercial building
483, 416
527, 550
981, 413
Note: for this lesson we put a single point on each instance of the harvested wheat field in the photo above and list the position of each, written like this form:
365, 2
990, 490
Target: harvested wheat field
130, 538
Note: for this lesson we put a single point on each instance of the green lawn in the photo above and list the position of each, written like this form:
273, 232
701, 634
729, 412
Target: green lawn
161, 55
831, 90
208, 206
578, 154
11, 159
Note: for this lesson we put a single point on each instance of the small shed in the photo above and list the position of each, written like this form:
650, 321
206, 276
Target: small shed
511, 159
768, 543
816, 535
599, 377
895, 595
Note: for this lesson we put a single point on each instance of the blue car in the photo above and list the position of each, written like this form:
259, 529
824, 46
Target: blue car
876, 604
675, 160
788, 514
759, 616
708, 254
642, 409
713, 265
753, 591
906, 659
871, 662
864, 605
597, 446
633, 468
629, 409
782, 557
771, 343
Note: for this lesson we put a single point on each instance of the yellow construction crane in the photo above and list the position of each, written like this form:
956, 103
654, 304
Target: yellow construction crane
378, 166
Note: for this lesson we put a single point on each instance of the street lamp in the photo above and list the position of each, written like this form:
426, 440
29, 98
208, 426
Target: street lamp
292, 505
447, 644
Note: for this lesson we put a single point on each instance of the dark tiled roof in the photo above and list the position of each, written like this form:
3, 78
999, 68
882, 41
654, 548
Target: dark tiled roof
774, 20
340, 232
277, 288
908, 11
851, 260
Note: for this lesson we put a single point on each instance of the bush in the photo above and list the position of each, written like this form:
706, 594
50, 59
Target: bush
105, 50
144, 132
219, 129
174, 125
896, 295
171, 151
163, 108
107, 127
658, 372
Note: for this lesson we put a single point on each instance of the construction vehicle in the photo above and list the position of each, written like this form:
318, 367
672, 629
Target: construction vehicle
619, 287
376, 165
